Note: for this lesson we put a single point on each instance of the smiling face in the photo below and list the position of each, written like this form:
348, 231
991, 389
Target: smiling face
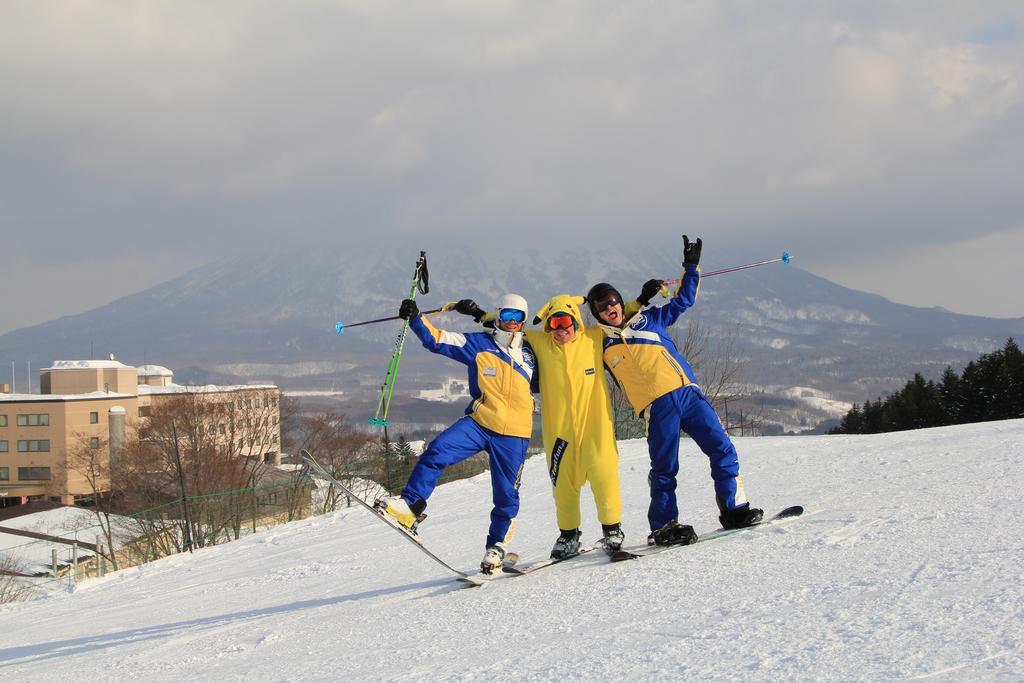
562, 328
563, 335
510, 325
607, 304
612, 315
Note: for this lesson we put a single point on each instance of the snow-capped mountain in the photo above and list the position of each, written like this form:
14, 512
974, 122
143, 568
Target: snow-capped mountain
272, 317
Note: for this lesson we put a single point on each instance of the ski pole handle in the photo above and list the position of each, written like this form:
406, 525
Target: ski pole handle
785, 258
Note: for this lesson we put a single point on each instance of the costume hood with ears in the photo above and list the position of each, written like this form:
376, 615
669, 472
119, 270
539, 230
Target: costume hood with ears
562, 303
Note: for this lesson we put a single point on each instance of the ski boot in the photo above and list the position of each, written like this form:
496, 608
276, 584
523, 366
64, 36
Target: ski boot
738, 518
613, 537
397, 509
567, 545
673, 533
493, 558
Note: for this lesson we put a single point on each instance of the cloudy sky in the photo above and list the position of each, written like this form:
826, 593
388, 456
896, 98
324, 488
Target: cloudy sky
880, 142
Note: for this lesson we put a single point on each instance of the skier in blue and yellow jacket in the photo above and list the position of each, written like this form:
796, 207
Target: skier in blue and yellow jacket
661, 387
499, 419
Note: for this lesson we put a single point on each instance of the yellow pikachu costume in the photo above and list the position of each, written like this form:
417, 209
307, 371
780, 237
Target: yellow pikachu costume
576, 416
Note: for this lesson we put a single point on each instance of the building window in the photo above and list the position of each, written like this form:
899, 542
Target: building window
221, 429
144, 411
40, 420
94, 442
5, 474
34, 446
34, 473
94, 418
4, 447
3, 420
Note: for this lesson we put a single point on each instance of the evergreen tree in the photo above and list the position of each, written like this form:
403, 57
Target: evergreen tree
990, 388
951, 397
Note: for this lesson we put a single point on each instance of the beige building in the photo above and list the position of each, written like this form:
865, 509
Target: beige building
98, 404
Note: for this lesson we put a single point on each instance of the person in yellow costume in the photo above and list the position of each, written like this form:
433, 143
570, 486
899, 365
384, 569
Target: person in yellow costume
576, 417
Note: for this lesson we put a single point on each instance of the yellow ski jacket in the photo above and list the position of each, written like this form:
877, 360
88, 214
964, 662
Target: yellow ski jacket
576, 417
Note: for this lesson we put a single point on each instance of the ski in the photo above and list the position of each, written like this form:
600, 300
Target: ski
481, 577
541, 564
787, 513
322, 472
512, 571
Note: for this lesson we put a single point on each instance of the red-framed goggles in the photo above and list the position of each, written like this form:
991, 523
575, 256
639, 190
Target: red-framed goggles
511, 315
606, 302
560, 320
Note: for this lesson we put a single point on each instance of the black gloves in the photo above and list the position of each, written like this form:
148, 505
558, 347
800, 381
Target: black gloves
408, 309
691, 251
469, 307
648, 292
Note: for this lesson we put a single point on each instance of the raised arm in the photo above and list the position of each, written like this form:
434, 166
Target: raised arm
450, 344
689, 285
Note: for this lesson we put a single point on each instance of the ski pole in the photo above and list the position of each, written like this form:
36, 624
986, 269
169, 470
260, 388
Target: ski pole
785, 258
341, 327
419, 283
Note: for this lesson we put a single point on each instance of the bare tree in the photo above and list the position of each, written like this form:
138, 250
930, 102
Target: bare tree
88, 460
720, 368
352, 456
717, 363
12, 586
222, 441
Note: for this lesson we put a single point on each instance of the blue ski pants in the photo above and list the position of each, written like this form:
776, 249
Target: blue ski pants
687, 409
462, 440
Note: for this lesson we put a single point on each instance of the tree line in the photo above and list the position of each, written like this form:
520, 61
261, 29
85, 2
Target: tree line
989, 388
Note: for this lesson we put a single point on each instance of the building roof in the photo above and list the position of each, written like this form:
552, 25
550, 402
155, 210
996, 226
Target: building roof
145, 389
86, 365
154, 371
44, 398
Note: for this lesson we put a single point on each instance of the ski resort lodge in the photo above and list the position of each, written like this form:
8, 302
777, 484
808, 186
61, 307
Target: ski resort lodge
99, 404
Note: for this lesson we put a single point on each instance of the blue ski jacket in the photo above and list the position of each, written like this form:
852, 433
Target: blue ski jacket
499, 378
642, 356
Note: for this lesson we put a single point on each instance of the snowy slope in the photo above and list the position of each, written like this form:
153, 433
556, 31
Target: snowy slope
908, 564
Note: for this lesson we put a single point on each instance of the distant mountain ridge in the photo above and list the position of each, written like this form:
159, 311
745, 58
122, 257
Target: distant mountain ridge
272, 317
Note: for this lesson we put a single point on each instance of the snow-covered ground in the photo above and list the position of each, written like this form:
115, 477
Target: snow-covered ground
909, 564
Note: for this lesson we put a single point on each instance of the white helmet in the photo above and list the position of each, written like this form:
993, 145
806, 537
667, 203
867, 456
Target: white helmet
513, 301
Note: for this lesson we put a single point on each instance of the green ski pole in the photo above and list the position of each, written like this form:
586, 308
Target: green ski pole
420, 282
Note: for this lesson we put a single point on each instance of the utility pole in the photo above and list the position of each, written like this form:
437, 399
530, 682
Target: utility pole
181, 482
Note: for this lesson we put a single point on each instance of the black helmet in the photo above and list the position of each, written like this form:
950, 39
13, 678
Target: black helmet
599, 292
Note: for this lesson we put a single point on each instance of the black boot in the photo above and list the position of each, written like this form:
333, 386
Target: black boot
567, 544
738, 518
613, 537
673, 533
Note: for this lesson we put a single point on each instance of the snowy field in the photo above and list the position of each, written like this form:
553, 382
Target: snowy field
908, 565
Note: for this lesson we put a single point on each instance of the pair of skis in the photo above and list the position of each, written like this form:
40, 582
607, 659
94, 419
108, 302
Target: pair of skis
475, 579
510, 567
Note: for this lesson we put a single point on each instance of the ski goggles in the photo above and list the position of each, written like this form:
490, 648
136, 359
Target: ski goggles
607, 302
511, 315
561, 320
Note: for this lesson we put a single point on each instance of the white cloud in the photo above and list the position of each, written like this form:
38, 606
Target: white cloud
759, 122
